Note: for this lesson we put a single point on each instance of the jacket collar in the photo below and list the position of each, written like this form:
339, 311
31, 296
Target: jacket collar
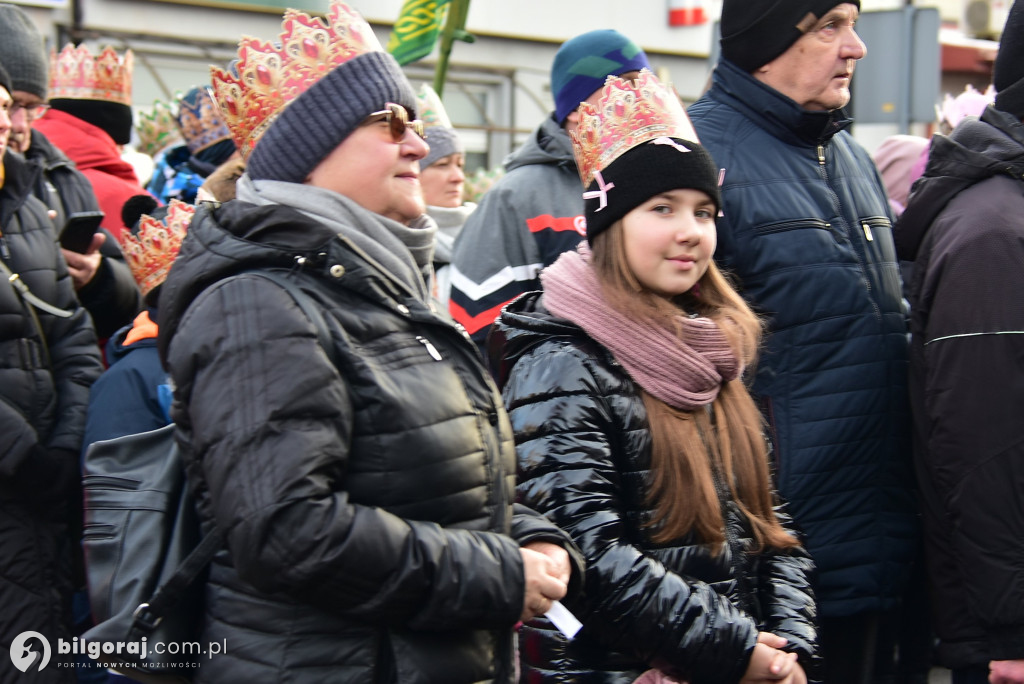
227, 239
768, 108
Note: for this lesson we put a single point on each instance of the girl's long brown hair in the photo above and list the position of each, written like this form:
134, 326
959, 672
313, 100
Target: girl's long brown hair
689, 449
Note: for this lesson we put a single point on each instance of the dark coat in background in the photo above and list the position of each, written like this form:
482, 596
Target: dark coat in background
368, 505
806, 232
964, 230
44, 389
584, 449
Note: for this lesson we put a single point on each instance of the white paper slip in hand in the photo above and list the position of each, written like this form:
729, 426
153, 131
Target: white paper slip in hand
565, 621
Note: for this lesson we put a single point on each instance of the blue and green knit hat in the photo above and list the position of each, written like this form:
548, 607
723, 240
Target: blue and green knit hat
583, 63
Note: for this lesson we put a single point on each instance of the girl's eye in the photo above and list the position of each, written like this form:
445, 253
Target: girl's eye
703, 214
661, 209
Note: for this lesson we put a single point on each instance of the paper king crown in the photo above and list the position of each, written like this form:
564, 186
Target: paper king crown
152, 250
430, 109
75, 74
201, 121
626, 115
267, 76
158, 128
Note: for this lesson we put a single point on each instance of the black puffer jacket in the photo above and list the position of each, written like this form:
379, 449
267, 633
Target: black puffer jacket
963, 228
43, 400
41, 405
368, 506
583, 444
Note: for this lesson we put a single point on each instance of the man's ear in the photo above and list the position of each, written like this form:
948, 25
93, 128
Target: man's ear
572, 120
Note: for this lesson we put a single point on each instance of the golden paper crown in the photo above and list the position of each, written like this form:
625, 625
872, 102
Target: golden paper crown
267, 76
77, 75
626, 115
152, 250
430, 109
201, 122
158, 128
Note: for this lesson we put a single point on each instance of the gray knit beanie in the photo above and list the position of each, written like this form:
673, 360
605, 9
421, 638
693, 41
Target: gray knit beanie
318, 120
22, 51
443, 141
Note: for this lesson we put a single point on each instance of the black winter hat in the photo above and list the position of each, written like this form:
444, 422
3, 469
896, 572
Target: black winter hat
318, 120
113, 118
1008, 72
754, 32
649, 169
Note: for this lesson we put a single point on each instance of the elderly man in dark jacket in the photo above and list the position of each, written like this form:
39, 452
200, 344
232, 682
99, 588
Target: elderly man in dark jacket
806, 230
365, 491
48, 360
964, 231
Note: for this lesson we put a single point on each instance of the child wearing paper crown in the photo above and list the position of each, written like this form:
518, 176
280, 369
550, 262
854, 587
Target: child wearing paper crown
634, 430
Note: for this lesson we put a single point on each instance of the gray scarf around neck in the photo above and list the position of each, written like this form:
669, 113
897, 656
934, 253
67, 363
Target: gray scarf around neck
402, 252
449, 222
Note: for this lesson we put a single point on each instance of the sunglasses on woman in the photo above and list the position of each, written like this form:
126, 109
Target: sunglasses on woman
397, 118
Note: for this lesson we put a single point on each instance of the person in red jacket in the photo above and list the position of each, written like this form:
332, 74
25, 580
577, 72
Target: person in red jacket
90, 117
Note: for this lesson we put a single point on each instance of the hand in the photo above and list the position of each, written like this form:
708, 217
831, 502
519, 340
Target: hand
83, 267
1006, 672
542, 584
558, 556
773, 640
769, 664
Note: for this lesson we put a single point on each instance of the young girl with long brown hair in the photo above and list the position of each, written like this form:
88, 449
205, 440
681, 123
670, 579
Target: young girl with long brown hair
635, 433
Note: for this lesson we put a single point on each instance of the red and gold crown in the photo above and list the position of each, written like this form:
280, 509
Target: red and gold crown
152, 250
201, 121
158, 128
267, 76
626, 115
77, 75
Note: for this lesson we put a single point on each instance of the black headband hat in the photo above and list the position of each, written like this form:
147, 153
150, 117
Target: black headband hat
635, 143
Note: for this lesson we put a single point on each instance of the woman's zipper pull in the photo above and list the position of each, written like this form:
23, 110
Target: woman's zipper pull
431, 349
867, 231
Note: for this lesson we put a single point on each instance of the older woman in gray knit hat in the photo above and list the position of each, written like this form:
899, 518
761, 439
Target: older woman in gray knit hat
442, 176
363, 474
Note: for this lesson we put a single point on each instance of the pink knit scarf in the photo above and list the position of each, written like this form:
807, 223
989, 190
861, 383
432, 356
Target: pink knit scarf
684, 370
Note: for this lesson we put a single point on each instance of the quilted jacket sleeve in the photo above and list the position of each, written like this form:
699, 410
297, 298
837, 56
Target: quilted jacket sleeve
567, 441
271, 425
787, 600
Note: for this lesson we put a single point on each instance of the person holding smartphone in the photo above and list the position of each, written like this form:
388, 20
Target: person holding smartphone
101, 277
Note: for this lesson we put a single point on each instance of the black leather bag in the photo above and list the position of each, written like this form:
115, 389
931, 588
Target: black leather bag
144, 551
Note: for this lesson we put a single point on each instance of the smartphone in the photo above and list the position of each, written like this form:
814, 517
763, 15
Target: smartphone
79, 229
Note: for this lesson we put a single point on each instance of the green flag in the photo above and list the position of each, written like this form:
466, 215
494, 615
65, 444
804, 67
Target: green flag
416, 30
